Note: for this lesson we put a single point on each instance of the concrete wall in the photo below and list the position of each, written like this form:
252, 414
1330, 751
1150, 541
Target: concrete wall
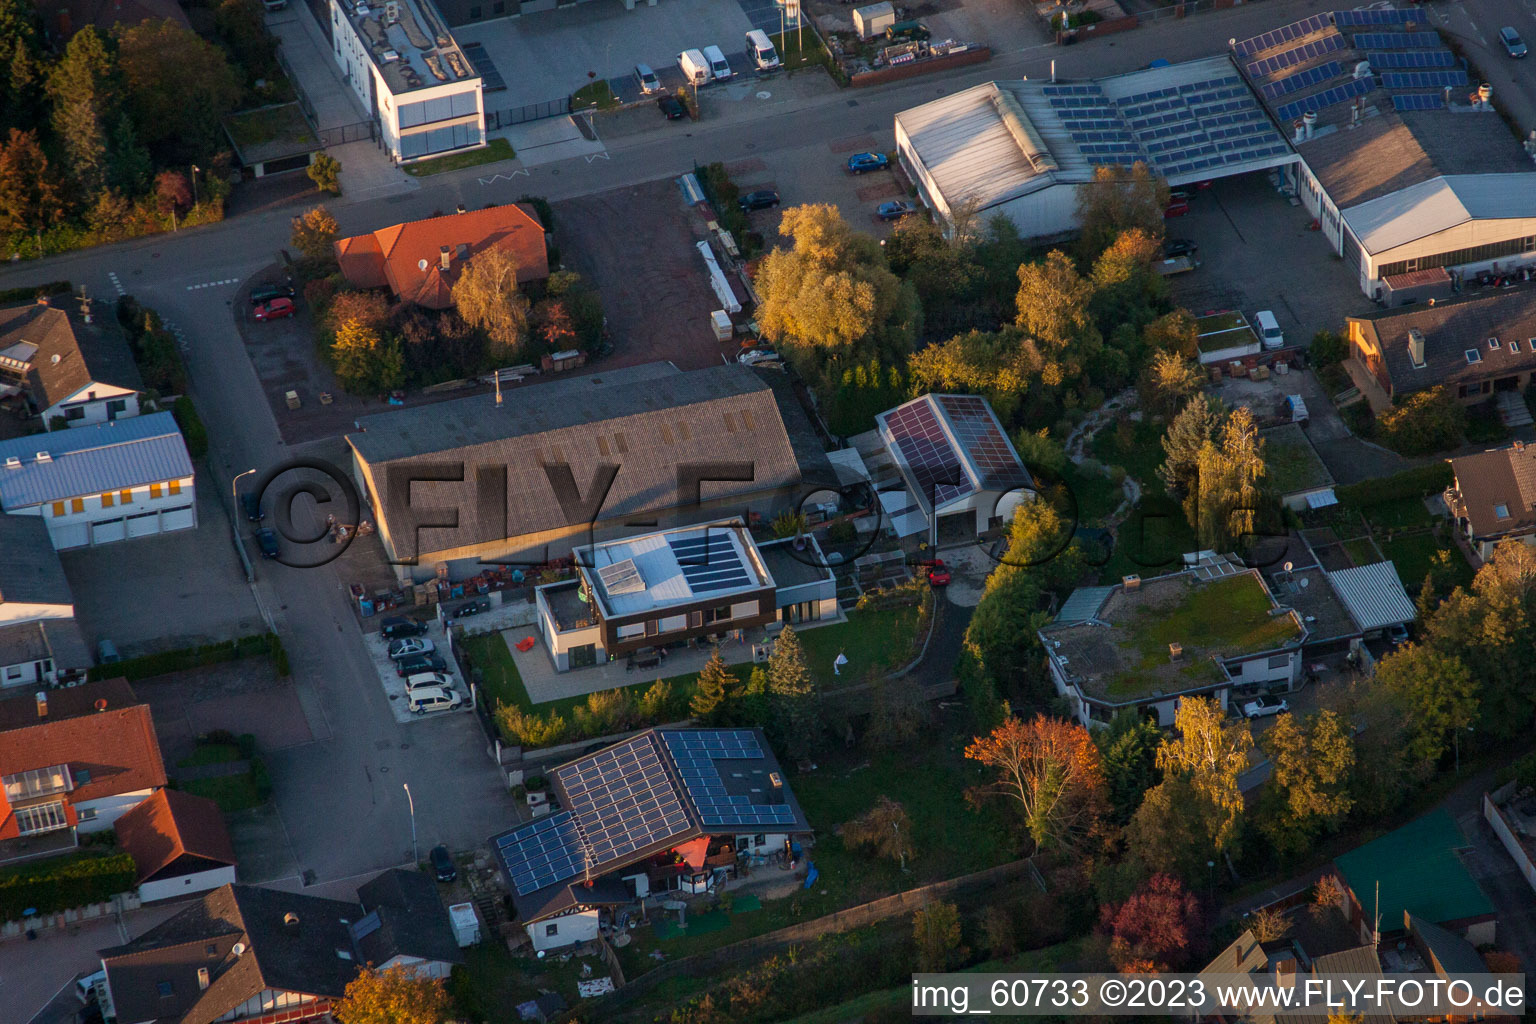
1506, 835
186, 885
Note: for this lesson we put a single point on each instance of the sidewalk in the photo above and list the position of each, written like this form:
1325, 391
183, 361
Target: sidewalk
31, 972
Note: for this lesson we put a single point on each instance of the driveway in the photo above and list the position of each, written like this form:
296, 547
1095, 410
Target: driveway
31, 973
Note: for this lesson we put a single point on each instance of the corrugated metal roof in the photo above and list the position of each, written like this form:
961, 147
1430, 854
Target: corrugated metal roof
1083, 604
1374, 595
89, 460
964, 144
1439, 204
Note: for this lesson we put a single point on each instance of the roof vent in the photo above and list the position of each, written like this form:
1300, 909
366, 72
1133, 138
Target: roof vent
101, 704
460, 208
291, 923
44, 457
1131, 582
12, 462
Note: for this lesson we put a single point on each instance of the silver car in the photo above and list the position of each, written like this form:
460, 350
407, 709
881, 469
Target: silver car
424, 680
411, 645
646, 79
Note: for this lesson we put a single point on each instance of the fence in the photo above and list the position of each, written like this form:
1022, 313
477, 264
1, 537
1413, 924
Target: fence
531, 112
986, 881
358, 132
1506, 835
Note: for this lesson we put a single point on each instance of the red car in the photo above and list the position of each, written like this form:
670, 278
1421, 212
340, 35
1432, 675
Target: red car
1177, 208
273, 310
938, 573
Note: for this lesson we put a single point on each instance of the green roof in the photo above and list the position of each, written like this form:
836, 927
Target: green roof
1418, 871
1291, 464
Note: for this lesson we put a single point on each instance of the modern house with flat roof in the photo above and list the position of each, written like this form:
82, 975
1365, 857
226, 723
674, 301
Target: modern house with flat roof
677, 585
1212, 630
669, 810
581, 460
420, 89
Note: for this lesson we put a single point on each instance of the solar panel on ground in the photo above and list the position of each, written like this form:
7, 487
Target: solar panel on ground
1377, 16
1283, 34
1419, 101
1423, 79
1303, 80
623, 799
709, 561
1413, 59
695, 753
1305, 52
542, 853
1396, 40
936, 467
1327, 98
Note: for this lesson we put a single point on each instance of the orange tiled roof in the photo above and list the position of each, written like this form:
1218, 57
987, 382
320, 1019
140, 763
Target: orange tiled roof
392, 257
170, 824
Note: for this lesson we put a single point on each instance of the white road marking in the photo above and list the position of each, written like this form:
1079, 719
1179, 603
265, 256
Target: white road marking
213, 284
181, 339
493, 179
117, 284
598, 156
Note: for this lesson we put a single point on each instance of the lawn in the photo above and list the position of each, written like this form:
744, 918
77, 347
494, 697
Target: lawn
491, 982
1136, 446
230, 792
594, 94
1413, 557
1152, 541
1362, 551
211, 753
1290, 461
793, 57
1396, 513
495, 150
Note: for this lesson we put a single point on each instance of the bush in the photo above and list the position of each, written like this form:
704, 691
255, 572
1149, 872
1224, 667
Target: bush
1410, 483
191, 424
247, 744
1427, 421
724, 196
1328, 349
11, 295
63, 883
219, 738
193, 657
545, 212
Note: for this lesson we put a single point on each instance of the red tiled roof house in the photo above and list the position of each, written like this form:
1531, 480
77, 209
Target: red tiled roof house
179, 843
72, 760
419, 261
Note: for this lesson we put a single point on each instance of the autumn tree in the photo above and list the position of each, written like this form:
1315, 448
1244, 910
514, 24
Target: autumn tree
884, 830
1309, 791
369, 308
363, 361
1117, 199
1051, 767
1159, 924
314, 235
708, 703
1053, 302
832, 289
943, 272
1430, 420
1436, 695
656, 702
179, 88
173, 192
936, 931
1128, 756
556, 328
486, 296
792, 694
1169, 382
1126, 285
1228, 505
29, 194
1199, 423
395, 995
325, 171
1173, 332
84, 88
1203, 759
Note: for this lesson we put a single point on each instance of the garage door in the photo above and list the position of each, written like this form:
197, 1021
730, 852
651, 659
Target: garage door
70, 535
177, 519
143, 524
108, 531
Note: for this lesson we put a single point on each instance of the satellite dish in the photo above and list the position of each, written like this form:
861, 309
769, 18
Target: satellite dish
1288, 566
421, 265
238, 948
1304, 581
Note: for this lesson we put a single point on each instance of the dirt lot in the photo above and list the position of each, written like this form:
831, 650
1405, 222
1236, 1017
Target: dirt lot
240, 696
652, 280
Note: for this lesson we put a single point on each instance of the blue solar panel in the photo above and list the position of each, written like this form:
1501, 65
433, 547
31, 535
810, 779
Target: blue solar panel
1338, 94
1419, 101
1281, 35
709, 561
623, 799
543, 853
696, 752
1413, 59
1297, 55
1396, 40
1423, 79
1303, 80
936, 467
1379, 16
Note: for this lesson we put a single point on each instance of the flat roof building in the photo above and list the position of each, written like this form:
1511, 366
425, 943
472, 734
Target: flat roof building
421, 91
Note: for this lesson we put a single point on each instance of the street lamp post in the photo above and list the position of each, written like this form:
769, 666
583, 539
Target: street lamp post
233, 484
195, 169
415, 857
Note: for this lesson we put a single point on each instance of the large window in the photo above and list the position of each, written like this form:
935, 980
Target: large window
443, 108
439, 140
42, 818
1455, 258
36, 782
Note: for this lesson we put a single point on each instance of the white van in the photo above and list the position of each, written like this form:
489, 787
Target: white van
1269, 329
694, 67
760, 51
718, 65
432, 698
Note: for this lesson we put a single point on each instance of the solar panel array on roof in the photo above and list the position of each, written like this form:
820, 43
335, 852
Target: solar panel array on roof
1423, 79
1413, 59
1327, 98
1283, 34
623, 799
545, 852
1377, 16
1396, 40
695, 754
976, 430
709, 562
1303, 80
1418, 101
1296, 55
1201, 126
935, 465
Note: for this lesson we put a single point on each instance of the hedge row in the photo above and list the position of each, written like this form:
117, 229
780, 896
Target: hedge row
192, 430
264, 644
31, 294
63, 883
1410, 483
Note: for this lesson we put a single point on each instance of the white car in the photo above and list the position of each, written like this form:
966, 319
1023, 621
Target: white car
433, 698
1264, 707
411, 645
425, 680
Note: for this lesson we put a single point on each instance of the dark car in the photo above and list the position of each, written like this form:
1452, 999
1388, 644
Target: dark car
673, 110
1173, 248
268, 292
252, 505
861, 162
762, 199
442, 864
396, 626
420, 663
266, 539
1513, 44
895, 209
476, 607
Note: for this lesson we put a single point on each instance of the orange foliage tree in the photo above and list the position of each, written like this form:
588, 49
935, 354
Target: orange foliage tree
1051, 767
393, 996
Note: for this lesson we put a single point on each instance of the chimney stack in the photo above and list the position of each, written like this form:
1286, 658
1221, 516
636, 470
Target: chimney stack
42, 703
1309, 122
445, 257
291, 923
461, 208
202, 979
1416, 346
42, 300
1285, 972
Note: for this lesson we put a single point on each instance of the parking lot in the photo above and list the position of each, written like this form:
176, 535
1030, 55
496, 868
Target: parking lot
394, 684
1257, 251
824, 180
